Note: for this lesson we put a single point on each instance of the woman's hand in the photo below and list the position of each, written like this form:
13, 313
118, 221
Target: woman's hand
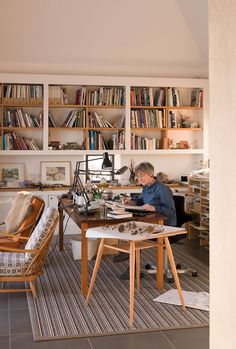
127, 201
149, 208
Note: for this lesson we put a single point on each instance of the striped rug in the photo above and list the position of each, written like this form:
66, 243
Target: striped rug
59, 311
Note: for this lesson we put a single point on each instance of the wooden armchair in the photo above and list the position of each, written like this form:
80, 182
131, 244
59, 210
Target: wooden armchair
24, 265
33, 211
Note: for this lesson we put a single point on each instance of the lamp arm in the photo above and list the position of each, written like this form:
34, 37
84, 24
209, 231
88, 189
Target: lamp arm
83, 192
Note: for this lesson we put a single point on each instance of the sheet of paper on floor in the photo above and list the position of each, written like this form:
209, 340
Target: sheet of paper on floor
197, 300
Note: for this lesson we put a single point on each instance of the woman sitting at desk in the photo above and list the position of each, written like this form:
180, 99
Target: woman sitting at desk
155, 197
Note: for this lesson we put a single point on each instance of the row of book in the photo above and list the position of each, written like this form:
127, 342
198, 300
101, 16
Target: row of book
23, 91
173, 97
107, 96
145, 96
57, 95
144, 143
17, 118
197, 98
12, 141
80, 96
98, 142
75, 118
147, 118
96, 120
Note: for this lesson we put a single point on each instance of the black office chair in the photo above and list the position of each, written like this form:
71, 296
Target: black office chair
182, 217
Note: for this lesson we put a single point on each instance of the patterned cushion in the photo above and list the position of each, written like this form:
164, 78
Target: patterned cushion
41, 232
12, 264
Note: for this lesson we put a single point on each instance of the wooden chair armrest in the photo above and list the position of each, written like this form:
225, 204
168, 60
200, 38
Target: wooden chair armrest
18, 231
3, 234
17, 250
13, 236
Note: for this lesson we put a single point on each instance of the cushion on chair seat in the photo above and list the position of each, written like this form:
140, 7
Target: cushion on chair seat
41, 232
12, 264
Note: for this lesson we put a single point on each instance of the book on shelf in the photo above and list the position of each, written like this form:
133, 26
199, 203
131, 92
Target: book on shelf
51, 120
159, 99
197, 97
12, 141
96, 120
58, 95
23, 91
80, 96
119, 214
107, 96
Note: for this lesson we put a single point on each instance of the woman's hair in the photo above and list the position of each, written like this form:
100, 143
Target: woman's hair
145, 167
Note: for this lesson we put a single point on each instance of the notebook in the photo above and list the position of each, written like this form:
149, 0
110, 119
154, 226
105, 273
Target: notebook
132, 208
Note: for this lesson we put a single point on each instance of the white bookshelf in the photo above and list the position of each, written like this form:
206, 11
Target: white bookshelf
196, 137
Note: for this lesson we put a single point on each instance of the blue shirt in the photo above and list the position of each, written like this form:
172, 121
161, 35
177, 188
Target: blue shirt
160, 196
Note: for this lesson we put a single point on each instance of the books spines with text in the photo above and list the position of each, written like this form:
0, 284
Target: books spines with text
75, 118
58, 95
18, 118
144, 143
12, 141
23, 91
147, 118
143, 96
96, 120
197, 98
80, 97
115, 141
107, 96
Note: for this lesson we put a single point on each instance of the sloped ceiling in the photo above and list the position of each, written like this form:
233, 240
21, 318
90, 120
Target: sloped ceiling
105, 37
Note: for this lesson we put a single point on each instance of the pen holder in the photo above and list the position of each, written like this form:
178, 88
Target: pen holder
103, 211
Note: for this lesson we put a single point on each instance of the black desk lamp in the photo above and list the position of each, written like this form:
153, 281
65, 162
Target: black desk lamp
78, 188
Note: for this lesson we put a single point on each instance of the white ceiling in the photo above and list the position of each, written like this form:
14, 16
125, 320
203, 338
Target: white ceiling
105, 37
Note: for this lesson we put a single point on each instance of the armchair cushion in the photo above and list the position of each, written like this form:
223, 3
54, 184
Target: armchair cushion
41, 232
12, 264
21, 208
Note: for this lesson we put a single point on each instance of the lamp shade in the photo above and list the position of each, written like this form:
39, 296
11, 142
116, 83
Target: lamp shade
122, 170
106, 164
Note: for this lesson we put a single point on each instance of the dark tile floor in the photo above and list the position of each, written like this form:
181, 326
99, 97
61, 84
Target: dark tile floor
15, 328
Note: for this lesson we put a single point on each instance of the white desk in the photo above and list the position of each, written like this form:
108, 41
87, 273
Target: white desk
136, 236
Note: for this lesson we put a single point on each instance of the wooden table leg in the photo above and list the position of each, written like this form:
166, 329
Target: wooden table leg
137, 264
95, 269
174, 271
60, 231
84, 259
160, 263
131, 282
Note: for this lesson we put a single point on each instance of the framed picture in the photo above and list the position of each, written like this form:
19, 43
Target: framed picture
56, 172
10, 172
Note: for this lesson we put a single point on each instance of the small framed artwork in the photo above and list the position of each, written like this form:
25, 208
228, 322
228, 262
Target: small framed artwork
56, 172
10, 172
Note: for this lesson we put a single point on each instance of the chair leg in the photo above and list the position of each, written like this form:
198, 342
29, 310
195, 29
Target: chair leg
95, 269
174, 271
32, 287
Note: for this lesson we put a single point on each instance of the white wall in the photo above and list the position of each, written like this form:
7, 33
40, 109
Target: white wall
106, 37
222, 73
168, 164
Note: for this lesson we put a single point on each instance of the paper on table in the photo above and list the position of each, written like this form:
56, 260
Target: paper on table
198, 300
